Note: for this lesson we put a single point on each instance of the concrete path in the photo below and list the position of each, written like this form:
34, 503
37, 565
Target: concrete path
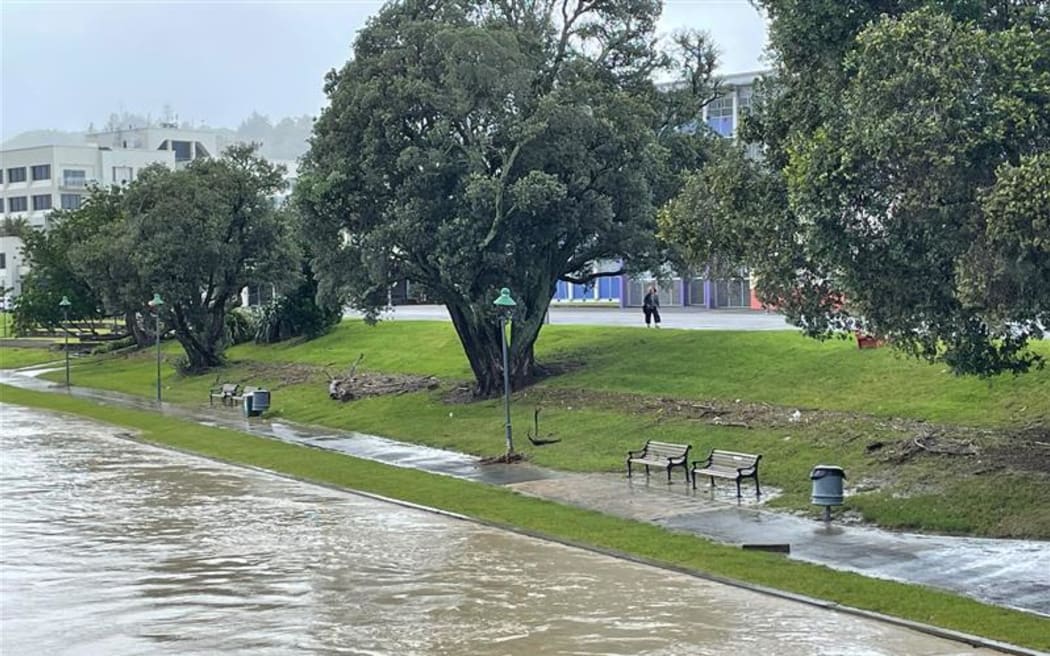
1012, 573
691, 318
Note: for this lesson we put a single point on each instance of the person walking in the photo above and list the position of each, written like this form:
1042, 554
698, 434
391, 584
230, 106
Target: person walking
651, 307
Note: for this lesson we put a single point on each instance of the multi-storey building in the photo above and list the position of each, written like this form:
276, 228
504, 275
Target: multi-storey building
723, 116
35, 181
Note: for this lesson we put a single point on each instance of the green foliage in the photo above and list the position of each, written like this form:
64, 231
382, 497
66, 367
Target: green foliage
905, 183
114, 345
296, 314
53, 276
241, 325
199, 235
472, 145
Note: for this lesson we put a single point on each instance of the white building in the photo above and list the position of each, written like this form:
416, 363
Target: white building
11, 270
35, 181
186, 144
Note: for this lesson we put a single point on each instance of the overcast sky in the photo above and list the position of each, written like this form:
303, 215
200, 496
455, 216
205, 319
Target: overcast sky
65, 64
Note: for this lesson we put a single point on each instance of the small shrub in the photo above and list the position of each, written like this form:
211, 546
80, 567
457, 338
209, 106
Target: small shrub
114, 345
241, 325
295, 315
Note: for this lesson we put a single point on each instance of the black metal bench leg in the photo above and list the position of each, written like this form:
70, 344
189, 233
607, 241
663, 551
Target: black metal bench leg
693, 476
737, 487
668, 474
712, 482
628, 469
758, 490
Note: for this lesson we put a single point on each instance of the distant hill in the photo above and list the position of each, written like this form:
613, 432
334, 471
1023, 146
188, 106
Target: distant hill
284, 140
35, 138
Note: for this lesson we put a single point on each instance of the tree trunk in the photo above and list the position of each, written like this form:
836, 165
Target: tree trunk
203, 350
143, 338
480, 336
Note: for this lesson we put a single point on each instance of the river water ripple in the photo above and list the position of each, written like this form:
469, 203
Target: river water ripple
111, 547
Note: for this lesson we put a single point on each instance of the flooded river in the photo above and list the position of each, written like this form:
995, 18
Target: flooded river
110, 547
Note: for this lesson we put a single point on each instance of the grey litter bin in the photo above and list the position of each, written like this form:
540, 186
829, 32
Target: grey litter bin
827, 485
260, 401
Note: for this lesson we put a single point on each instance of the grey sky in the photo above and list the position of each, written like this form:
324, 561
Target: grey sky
65, 64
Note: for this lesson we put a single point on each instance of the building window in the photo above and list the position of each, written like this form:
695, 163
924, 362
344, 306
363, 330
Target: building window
71, 201
74, 178
41, 202
16, 174
743, 100
183, 150
17, 203
3, 260
720, 115
122, 174
42, 172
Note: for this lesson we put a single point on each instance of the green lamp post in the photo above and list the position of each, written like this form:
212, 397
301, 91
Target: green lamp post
506, 306
64, 304
155, 304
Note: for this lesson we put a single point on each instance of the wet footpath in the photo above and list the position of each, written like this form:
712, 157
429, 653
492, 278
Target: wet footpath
1010, 573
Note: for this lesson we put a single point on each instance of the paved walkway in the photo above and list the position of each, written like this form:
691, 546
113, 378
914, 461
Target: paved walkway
692, 318
1012, 573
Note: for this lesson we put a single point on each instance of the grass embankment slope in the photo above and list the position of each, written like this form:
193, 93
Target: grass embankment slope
506, 508
923, 449
15, 358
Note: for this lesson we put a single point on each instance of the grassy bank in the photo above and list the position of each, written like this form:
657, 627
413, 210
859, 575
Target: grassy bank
923, 449
504, 507
14, 358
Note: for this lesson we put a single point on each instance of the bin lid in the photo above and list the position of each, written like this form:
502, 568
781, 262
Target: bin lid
820, 471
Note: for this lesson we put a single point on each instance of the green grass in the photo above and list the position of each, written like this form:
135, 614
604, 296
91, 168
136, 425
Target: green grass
14, 358
507, 508
927, 492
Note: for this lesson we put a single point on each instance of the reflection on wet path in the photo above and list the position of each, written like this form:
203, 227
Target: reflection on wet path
111, 547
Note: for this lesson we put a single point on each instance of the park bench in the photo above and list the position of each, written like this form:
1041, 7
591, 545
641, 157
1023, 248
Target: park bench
728, 464
227, 394
660, 454
239, 396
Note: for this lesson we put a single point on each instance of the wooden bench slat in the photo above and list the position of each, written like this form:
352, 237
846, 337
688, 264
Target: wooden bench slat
660, 454
728, 464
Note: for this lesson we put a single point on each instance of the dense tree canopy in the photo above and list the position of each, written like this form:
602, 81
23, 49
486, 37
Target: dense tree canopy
471, 145
199, 235
905, 149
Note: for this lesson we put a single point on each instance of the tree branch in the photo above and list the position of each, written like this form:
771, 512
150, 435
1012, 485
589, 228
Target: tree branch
583, 280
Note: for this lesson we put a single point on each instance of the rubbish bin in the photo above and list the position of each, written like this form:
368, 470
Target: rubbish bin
256, 402
260, 401
827, 485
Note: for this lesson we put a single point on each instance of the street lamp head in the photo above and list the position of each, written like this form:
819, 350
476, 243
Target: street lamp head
156, 301
504, 301
64, 302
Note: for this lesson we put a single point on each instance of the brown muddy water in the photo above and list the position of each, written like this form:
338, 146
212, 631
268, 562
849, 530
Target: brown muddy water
110, 547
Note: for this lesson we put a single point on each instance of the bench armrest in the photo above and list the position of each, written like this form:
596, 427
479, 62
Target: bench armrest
635, 454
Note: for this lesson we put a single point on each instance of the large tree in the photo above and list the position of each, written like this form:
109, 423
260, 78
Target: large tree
199, 235
899, 152
52, 276
471, 145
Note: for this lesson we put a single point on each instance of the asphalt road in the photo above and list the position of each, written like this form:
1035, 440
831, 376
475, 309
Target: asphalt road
688, 318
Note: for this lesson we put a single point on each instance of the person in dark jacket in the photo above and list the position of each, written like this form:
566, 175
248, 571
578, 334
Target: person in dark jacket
651, 307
